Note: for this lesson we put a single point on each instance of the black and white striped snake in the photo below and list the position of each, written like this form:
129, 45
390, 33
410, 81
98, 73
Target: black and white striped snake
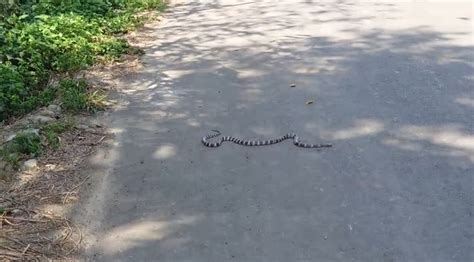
293, 136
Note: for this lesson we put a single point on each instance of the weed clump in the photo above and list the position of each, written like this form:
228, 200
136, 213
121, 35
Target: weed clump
42, 38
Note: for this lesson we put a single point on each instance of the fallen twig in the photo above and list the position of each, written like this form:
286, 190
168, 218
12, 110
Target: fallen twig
26, 249
26, 219
74, 188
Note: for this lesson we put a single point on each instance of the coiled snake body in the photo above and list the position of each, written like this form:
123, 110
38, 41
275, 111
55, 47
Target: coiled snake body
242, 142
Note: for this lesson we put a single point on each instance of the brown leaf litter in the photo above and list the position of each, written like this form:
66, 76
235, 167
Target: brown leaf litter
30, 230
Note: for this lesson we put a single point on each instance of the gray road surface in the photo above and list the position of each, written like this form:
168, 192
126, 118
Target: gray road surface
392, 85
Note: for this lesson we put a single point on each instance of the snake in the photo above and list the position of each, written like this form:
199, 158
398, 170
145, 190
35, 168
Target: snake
205, 141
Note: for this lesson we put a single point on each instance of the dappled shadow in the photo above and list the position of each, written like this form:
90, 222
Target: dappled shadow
391, 92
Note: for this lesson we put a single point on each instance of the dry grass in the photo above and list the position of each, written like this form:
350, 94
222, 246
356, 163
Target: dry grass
28, 230
106, 75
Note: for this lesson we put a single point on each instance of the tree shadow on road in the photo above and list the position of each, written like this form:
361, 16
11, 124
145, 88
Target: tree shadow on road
397, 180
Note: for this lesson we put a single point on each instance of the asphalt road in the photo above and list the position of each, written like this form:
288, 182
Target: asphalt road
392, 85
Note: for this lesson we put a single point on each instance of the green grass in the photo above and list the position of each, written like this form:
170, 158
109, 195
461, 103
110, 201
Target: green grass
52, 131
29, 144
76, 96
40, 38
73, 95
24, 145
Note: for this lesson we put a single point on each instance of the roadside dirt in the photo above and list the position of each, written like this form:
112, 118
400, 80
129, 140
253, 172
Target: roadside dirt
35, 205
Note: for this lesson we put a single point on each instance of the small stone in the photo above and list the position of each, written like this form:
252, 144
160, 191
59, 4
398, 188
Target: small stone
55, 108
30, 165
10, 137
50, 167
98, 125
17, 212
41, 119
46, 112
82, 127
91, 122
90, 130
292, 85
29, 131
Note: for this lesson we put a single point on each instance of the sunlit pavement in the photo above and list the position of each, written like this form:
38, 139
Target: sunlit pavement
392, 85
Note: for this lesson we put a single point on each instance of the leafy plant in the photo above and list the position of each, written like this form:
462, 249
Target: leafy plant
27, 144
52, 131
24, 144
7, 155
44, 37
73, 95
30, 144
